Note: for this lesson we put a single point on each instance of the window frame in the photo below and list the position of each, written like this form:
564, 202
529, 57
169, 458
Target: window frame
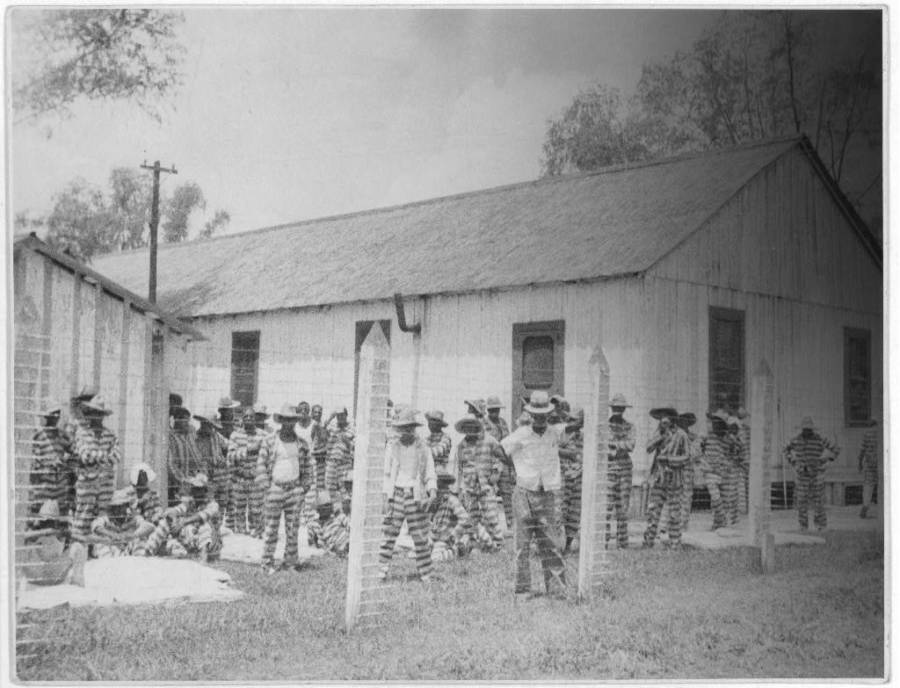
865, 334
722, 314
236, 336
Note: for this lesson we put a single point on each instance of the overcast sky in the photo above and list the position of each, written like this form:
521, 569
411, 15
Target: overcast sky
287, 114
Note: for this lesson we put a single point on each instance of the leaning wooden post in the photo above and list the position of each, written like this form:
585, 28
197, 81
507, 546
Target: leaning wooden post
368, 477
594, 483
762, 426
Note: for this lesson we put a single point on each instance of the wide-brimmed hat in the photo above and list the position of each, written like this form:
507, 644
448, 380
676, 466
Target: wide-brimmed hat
286, 414
718, 414
136, 471
477, 404
199, 481
618, 400
210, 418
686, 420
49, 509
260, 410
122, 497
228, 403
445, 478
493, 402
179, 412
87, 392
50, 411
436, 416
661, 412
468, 425
341, 410
734, 421
807, 423
97, 403
406, 418
557, 399
539, 403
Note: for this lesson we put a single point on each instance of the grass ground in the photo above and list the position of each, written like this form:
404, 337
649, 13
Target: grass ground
664, 615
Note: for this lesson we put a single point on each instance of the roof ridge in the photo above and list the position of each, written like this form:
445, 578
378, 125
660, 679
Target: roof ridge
475, 192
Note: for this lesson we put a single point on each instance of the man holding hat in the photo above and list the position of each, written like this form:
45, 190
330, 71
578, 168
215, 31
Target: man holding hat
183, 460
807, 453
410, 486
284, 468
243, 454
51, 473
479, 458
670, 450
620, 469
534, 450
868, 466
95, 452
438, 441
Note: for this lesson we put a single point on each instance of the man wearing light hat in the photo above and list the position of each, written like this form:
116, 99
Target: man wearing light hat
95, 453
620, 469
534, 450
410, 486
479, 458
807, 453
670, 450
285, 469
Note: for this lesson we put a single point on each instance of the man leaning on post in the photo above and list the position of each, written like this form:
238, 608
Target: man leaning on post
534, 451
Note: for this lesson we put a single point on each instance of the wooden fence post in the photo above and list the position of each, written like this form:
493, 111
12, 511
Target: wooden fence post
762, 425
595, 483
368, 475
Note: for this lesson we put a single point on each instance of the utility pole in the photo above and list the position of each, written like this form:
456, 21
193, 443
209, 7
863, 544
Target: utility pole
154, 221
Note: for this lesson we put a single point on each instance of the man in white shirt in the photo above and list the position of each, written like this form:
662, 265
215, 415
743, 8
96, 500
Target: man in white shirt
534, 451
410, 485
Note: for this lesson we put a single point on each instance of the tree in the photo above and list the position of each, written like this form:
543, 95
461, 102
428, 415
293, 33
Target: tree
62, 55
86, 222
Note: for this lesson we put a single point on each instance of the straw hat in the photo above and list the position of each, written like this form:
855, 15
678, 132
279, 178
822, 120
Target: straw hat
406, 418
686, 420
661, 412
807, 423
619, 401
493, 403
719, 414
98, 404
468, 424
539, 403
260, 410
228, 403
436, 416
287, 414
200, 481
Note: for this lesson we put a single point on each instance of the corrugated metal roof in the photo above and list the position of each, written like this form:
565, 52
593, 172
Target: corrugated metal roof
611, 222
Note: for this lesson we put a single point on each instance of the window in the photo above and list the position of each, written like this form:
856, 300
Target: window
857, 375
538, 353
363, 327
244, 366
726, 358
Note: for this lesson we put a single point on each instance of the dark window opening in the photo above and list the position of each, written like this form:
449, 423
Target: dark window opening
857, 376
726, 358
538, 360
244, 366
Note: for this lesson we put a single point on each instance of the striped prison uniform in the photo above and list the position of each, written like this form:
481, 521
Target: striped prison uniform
213, 450
95, 455
148, 506
243, 454
409, 474
620, 469
171, 537
571, 458
336, 534
718, 461
667, 481
868, 465
51, 473
440, 445
743, 436
183, 463
500, 431
307, 516
693, 474
115, 537
450, 521
731, 479
338, 460
283, 496
807, 455
478, 466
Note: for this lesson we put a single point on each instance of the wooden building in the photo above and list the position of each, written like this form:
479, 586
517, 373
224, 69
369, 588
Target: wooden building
74, 327
688, 271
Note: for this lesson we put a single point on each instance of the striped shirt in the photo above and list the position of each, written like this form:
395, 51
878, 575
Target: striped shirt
336, 534
94, 452
868, 454
808, 454
498, 430
720, 452
213, 451
621, 440
209, 512
50, 470
440, 445
243, 452
148, 506
184, 460
478, 463
450, 514
571, 455
338, 458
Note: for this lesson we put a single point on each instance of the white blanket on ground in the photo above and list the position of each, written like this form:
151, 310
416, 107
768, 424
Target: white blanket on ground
249, 550
135, 580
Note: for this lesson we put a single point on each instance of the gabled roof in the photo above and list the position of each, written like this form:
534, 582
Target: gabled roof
32, 242
616, 221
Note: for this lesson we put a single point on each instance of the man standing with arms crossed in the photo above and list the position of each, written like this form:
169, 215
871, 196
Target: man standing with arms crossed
534, 451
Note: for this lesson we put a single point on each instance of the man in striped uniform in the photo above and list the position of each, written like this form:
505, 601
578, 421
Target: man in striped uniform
438, 441
183, 460
319, 445
191, 527
339, 456
479, 458
719, 456
807, 453
620, 470
306, 430
95, 452
122, 531
497, 426
450, 522
258, 490
743, 435
868, 466
243, 454
670, 450
230, 418
693, 473
731, 482
212, 447
146, 501
284, 468
51, 471
571, 463
410, 486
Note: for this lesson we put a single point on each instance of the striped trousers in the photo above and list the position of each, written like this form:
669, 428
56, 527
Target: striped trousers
403, 505
257, 500
713, 482
282, 498
191, 539
538, 516
619, 475
811, 492
240, 516
221, 489
687, 496
667, 490
481, 504
571, 505
505, 489
92, 496
730, 487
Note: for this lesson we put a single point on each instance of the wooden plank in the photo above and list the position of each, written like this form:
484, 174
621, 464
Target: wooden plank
99, 331
123, 385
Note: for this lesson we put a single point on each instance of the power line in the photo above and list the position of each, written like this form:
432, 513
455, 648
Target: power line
154, 221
